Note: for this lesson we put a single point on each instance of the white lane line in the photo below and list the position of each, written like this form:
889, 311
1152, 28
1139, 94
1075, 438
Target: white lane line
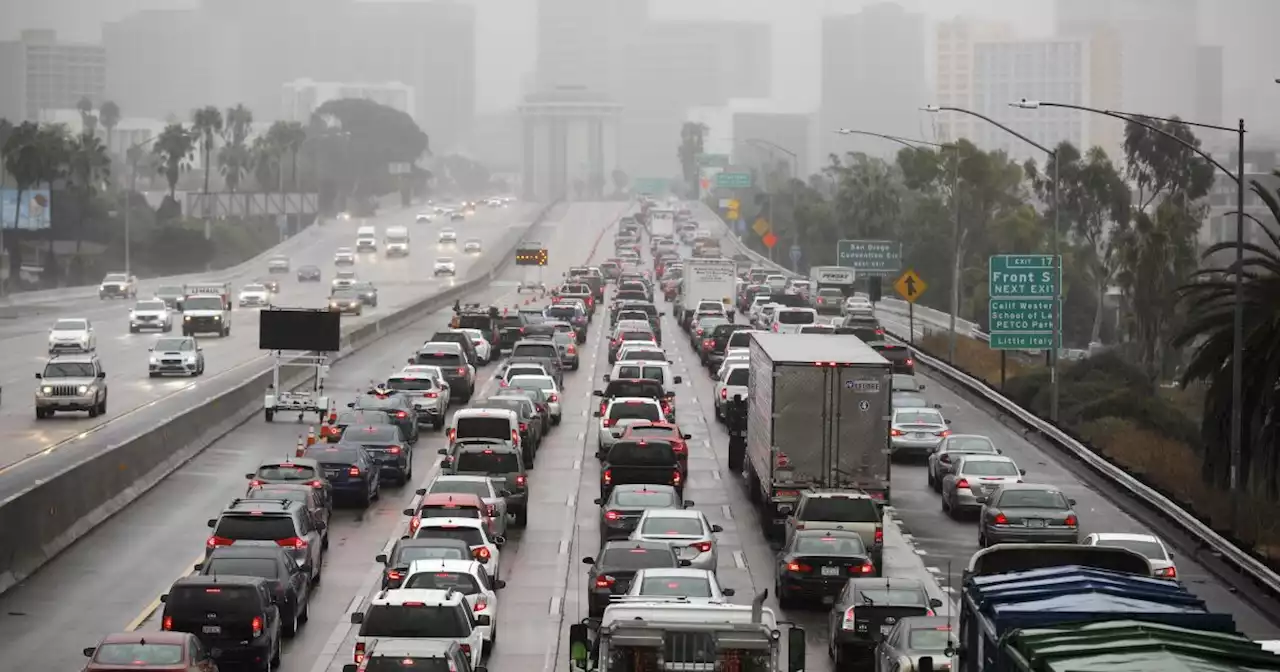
555, 606
715, 475
572, 499
581, 435
355, 604
739, 560
564, 546
726, 511
577, 465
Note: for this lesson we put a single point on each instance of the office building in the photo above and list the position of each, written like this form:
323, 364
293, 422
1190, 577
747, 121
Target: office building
763, 139
874, 76
581, 43
1220, 224
301, 97
953, 77
1055, 70
39, 73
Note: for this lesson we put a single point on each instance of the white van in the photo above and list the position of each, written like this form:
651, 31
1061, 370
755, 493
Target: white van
790, 320
367, 239
396, 239
659, 371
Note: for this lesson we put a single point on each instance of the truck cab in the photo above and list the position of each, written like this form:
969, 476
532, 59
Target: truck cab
206, 309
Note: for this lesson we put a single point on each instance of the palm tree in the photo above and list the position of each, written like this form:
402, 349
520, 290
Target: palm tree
6, 130
173, 148
20, 161
235, 159
206, 123
87, 118
1210, 299
88, 166
286, 137
109, 114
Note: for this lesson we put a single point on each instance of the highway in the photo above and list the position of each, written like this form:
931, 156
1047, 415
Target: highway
31, 449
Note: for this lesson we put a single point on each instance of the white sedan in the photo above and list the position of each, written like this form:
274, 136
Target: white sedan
445, 266
255, 295
695, 584
72, 335
1147, 545
484, 349
447, 237
423, 218
344, 256
471, 246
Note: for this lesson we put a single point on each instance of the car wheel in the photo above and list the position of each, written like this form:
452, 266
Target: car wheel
306, 607
41, 414
102, 408
93, 410
291, 623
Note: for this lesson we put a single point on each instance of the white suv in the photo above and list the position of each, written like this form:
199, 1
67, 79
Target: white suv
466, 576
734, 381
790, 320
623, 412
416, 614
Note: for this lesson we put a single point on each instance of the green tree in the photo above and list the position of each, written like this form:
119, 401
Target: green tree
206, 124
22, 161
173, 151
88, 167
6, 131
466, 175
266, 161
87, 118
109, 114
235, 159
288, 137
1209, 299
692, 135
377, 136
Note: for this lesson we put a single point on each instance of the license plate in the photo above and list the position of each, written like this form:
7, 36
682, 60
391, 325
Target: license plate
330, 472
919, 435
1035, 522
211, 629
831, 571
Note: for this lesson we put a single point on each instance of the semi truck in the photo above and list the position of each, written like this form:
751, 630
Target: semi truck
817, 417
707, 280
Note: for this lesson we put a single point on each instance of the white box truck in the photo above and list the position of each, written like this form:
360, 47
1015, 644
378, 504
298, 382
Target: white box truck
662, 222
396, 240
831, 277
817, 417
707, 279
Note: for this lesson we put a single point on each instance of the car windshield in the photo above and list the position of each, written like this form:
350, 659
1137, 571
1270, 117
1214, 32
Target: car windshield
634, 410
415, 384
448, 511
362, 418
116, 277
644, 355
929, 639
343, 293
839, 509
817, 329
648, 499
266, 568
444, 260
434, 622
289, 493
970, 444
1152, 550
488, 462
902, 381
561, 312
439, 580
372, 434
468, 535
169, 290
672, 526
633, 388
909, 400
812, 544
70, 325
676, 586
202, 303
136, 655
1032, 499
149, 305
739, 376
514, 371
635, 558
69, 370
543, 350
641, 453
795, 317
918, 417
444, 360
895, 596
408, 554
460, 487
988, 468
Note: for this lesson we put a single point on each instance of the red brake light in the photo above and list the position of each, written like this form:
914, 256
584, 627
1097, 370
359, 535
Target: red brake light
491, 511
480, 605
515, 436
553, 398
945, 432
353, 471
608, 476
482, 553
797, 567
394, 575
1167, 573
573, 349
520, 480
608, 422
675, 477
167, 624
865, 568
895, 432
879, 535
724, 393
218, 541
1001, 519
462, 371
709, 343
911, 362
317, 484
962, 483
524, 427
257, 626
401, 415
394, 450
431, 395
612, 515
255, 483
1071, 521
292, 542
702, 546
359, 653
604, 582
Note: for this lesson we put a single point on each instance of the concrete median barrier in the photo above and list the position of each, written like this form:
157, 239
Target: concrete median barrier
48, 516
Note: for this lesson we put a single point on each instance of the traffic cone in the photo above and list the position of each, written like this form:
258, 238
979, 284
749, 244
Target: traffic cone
301, 448
311, 436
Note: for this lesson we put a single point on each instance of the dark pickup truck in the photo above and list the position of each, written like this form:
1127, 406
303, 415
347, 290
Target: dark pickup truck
898, 355
647, 461
717, 342
510, 329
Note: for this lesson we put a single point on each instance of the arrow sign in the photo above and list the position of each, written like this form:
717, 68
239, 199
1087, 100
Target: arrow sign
910, 286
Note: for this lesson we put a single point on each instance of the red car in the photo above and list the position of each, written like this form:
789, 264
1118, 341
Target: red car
665, 431
150, 650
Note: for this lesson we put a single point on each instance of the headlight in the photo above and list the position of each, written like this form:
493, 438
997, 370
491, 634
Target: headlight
186, 318
155, 360
217, 317
46, 390
82, 389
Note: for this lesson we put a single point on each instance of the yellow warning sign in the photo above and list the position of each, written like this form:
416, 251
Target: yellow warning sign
761, 226
910, 286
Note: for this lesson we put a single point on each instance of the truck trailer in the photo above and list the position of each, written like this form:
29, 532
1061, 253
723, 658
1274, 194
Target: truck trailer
817, 417
706, 280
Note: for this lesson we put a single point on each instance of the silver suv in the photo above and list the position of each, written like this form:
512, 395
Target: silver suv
71, 383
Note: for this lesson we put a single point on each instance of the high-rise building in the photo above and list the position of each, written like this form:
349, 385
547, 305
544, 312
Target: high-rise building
301, 97
1057, 70
953, 78
581, 42
763, 138
39, 73
874, 76
1209, 89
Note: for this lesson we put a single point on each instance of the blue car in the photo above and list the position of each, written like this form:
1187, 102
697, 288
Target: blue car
350, 469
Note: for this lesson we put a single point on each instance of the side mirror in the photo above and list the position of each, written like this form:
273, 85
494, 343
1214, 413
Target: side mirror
102, 375
212, 522
686, 563
88, 651
728, 592
410, 360
38, 376
686, 437
795, 649
483, 619
499, 584
499, 540
948, 421
1023, 472
982, 499
350, 667
688, 503
357, 618
249, 476
921, 386
588, 560
199, 566
594, 393
498, 377
442, 451
380, 558
938, 406
420, 491
351, 404
607, 377
716, 529
678, 379
935, 602
598, 502
596, 414
1072, 502
164, 598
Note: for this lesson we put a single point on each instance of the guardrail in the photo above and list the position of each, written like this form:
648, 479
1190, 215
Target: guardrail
1238, 559
46, 517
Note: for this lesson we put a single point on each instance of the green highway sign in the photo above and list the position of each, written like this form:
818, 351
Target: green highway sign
650, 185
1024, 290
733, 180
870, 256
713, 160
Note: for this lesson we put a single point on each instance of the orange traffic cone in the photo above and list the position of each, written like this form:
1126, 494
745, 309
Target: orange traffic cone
301, 448
311, 436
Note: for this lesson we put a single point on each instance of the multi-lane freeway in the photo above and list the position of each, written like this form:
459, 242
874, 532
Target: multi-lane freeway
111, 579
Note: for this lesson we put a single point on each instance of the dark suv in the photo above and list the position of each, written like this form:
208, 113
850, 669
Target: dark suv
398, 407
235, 617
462, 339
284, 522
289, 585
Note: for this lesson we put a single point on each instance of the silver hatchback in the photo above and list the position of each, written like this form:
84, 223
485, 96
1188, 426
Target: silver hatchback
687, 530
974, 477
917, 432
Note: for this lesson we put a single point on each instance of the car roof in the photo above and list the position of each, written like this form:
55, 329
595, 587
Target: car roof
888, 582
201, 581
463, 477
821, 533
643, 487
1127, 536
677, 572
300, 461
151, 636
636, 543
836, 494
483, 413
984, 457
446, 564
1031, 486
460, 498
394, 598
674, 513
633, 400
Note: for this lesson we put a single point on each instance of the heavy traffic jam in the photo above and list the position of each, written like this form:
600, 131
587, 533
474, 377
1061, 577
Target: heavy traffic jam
819, 406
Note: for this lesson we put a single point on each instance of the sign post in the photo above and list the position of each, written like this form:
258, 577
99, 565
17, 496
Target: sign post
1023, 290
910, 286
876, 257
795, 256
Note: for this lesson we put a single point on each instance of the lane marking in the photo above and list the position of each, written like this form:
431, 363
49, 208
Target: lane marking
554, 609
726, 511
739, 560
154, 605
577, 465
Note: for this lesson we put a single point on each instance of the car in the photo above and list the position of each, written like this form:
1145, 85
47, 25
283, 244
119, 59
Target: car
970, 477
623, 411
176, 354
566, 341
398, 405
71, 383
457, 505
288, 523
733, 383
118, 285
350, 470
1027, 513
445, 266
695, 585
661, 431
503, 463
574, 315
866, 610
388, 448
548, 386
278, 263
272, 284
428, 390
951, 448
465, 576
73, 334
343, 278
419, 616
150, 314
313, 498
903, 382
344, 256
463, 340
475, 532
367, 292
1149, 546
236, 616
405, 551
423, 218
254, 295
912, 400
916, 432
472, 246
457, 216
452, 362
309, 273
841, 510
171, 295
338, 421
487, 489
615, 566
125, 650
290, 585
789, 320
828, 301
687, 530
484, 423
345, 301
814, 565
525, 368
290, 471
447, 236
914, 638
484, 349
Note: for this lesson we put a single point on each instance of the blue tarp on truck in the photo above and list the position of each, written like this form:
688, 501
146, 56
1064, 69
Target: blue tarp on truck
993, 605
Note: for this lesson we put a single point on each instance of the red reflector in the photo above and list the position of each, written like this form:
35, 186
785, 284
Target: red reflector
213, 590
167, 624
414, 604
394, 450
353, 471
879, 535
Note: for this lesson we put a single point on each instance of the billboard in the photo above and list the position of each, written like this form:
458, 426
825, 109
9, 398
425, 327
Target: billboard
33, 212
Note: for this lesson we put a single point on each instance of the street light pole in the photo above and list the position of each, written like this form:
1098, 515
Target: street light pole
1057, 260
1237, 337
133, 183
775, 146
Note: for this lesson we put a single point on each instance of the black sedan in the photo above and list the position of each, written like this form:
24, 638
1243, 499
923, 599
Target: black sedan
290, 584
367, 292
398, 406
616, 565
387, 447
309, 274
816, 564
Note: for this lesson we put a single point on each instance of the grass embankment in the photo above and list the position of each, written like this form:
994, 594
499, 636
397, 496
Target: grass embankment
1150, 432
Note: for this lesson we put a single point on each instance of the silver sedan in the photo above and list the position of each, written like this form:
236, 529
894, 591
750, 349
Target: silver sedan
687, 530
952, 447
974, 477
917, 432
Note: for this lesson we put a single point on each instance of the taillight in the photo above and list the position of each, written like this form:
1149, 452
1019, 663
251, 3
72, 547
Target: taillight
213, 542
466, 649
604, 582
480, 605
413, 524
431, 395
1001, 519
701, 546
675, 477
798, 568
724, 393
847, 621
401, 415
520, 480
353, 471
612, 515
394, 450
257, 626
1167, 572
553, 398
393, 575
573, 349
491, 511
962, 483
167, 623
255, 483
607, 422
524, 427
359, 653
775, 326
515, 436
317, 484
910, 362
945, 432
879, 536
453, 432
607, 477
895, 432
333, 417
708, 344
482, 554
865, 568
292, 542
1070, 521
462, 371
